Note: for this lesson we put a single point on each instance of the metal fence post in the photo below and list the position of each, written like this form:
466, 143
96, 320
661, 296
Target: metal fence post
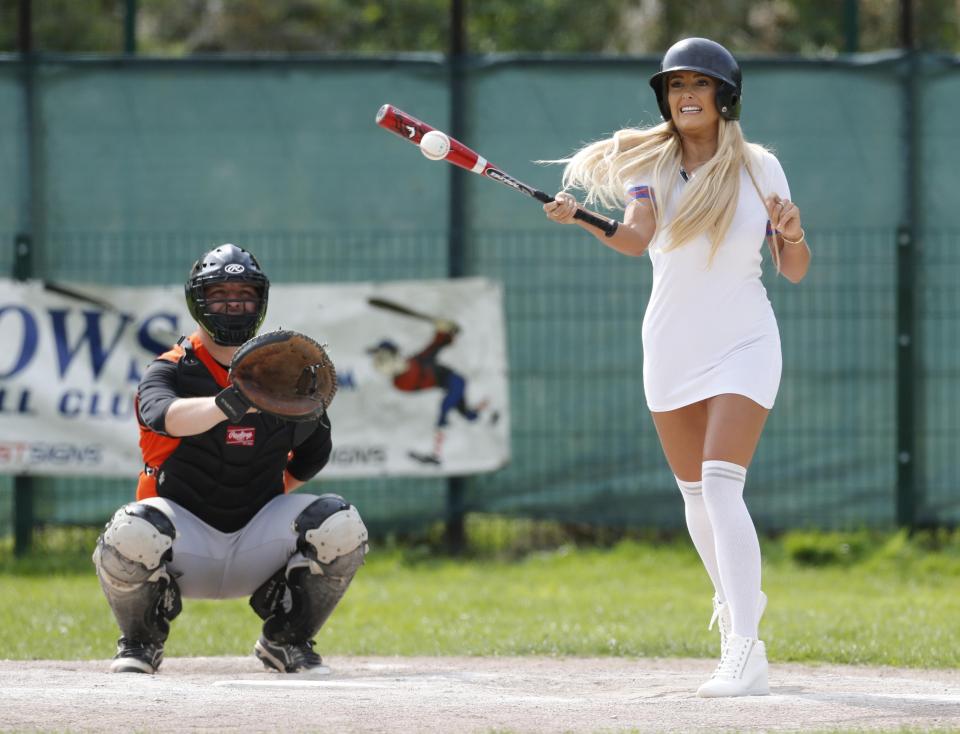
909, 391
23, 486
130, 28
851, 25
456, 486
24, 262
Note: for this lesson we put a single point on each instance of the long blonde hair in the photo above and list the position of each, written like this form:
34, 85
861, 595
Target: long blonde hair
708, 201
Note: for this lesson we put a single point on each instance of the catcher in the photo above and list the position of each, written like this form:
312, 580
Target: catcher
223, 447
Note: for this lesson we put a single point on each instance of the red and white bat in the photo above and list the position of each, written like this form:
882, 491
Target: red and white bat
412, 130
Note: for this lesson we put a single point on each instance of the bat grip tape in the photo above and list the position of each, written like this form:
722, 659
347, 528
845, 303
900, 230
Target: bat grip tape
607, 226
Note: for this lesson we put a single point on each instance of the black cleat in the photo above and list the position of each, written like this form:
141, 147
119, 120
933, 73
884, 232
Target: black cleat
291, 658
134, 656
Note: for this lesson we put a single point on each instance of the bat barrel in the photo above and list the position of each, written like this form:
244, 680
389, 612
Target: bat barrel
400, 123
412, 130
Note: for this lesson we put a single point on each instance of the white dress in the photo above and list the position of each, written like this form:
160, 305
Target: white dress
711, 330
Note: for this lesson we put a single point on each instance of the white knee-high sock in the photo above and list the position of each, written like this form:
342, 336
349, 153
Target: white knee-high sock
701, 533
738, 549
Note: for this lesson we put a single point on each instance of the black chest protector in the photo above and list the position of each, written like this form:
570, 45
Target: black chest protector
227, 474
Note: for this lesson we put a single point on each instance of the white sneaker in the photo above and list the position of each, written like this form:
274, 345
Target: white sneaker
721, 615
742, 670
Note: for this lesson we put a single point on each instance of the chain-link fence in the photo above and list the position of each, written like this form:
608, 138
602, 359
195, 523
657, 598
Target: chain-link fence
126, 170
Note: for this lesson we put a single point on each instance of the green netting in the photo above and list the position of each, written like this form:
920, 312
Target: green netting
144, 165
12, 159
195, 149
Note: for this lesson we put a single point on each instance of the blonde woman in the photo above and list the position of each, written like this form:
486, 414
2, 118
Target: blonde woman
702, 201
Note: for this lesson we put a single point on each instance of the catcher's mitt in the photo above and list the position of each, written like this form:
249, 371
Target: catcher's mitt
283, 373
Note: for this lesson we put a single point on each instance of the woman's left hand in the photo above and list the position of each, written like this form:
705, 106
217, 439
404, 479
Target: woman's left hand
784, 217
562, 208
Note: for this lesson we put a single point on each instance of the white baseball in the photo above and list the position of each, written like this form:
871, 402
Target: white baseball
435, 145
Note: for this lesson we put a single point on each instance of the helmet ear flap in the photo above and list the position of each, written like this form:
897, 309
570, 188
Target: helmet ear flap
728, 101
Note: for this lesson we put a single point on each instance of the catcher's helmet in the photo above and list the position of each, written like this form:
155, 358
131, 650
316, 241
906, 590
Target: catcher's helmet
227, 263
707, 57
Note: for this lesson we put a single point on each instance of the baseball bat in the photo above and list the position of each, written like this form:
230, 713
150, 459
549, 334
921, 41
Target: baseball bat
163, 336
391, 306
397, 308
411, 129
62, 290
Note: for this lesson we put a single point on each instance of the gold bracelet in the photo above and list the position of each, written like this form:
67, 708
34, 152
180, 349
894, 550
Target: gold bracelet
803, 236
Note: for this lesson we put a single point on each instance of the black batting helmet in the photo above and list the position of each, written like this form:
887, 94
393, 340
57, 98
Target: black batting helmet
227, 264
707, 57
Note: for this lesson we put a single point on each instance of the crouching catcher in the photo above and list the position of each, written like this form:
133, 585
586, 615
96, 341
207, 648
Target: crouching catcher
230, 424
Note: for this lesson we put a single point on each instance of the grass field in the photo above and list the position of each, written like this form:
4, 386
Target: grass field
855, 598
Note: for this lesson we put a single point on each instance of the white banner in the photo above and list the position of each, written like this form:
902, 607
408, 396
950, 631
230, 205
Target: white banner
421, 367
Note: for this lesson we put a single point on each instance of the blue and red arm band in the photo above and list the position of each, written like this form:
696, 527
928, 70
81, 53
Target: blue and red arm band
640, 192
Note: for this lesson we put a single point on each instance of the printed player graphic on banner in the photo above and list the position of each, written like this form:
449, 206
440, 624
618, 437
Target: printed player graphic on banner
431, 387
423, 371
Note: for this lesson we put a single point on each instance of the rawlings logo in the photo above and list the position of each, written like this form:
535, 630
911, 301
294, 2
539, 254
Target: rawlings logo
240, 435
234, 268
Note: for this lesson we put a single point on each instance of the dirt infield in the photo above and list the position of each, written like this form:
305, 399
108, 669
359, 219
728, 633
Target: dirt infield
463, 695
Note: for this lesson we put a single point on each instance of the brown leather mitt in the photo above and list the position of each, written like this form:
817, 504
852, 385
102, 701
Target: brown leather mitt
283, 373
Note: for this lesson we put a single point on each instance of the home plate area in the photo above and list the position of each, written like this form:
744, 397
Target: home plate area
466, 694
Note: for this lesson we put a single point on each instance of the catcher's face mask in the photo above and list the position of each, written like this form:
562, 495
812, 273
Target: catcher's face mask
227, 294
232, 298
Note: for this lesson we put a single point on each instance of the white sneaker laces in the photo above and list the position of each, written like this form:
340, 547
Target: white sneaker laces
733, 658
715, 617
720, 609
